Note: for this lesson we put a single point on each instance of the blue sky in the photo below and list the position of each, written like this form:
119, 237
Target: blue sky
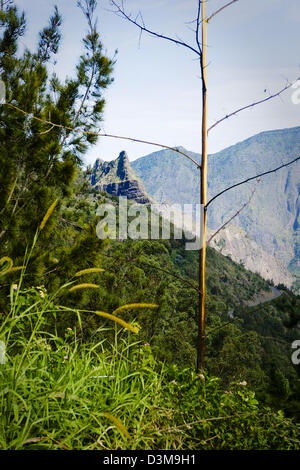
253, 46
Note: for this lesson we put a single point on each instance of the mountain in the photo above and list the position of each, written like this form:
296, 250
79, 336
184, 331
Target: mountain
272, 219
239, 245
116, 177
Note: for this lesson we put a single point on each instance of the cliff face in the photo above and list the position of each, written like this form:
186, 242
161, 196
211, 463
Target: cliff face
117, 178
273, 216
235, 242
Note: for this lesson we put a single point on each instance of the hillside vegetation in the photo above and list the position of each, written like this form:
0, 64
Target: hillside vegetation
98, 337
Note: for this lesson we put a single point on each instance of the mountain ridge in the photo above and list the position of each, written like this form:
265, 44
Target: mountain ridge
117, 177
273, 216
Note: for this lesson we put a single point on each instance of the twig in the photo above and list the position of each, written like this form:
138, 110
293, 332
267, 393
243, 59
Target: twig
142, 263
72, 129
250, 179
231, 218
122, 13
221, 326
221, 9
217, 418
252, 104
198, 27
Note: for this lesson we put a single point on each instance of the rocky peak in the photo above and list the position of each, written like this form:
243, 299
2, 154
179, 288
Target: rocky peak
123, 166
117, 177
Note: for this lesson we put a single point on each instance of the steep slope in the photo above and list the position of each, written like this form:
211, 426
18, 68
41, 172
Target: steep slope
236, 243
116, 177
272, 218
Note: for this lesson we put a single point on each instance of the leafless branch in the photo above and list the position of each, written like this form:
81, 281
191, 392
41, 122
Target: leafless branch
221, 9
72, 129
120, 10
157, 268
186, 281
250, 179
233, 217
289, 85
221, 326
198, 21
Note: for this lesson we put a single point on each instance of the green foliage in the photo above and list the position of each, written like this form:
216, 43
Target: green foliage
52, 396
59, 392
39, 162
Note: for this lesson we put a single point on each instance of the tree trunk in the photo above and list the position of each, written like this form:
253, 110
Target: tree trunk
203, 197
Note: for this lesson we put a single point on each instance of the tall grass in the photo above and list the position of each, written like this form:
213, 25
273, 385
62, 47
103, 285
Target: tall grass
58, 392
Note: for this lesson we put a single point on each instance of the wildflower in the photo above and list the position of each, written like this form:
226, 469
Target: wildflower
243, 383
15, 286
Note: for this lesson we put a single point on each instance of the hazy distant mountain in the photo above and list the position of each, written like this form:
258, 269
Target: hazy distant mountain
273, 216
242, 249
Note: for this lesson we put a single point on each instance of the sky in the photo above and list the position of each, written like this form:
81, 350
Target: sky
253, 51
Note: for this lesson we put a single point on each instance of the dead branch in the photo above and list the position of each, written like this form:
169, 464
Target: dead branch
250, 179
198, 21
121, 12
252, 105
221, 9
233, 217
72, 129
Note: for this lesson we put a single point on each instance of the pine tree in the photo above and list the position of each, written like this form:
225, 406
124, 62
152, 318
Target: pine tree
39, 162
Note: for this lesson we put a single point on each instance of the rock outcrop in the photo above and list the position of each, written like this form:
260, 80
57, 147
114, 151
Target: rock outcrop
117, 178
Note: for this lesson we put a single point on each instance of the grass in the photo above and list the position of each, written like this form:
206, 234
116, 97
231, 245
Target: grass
57, 392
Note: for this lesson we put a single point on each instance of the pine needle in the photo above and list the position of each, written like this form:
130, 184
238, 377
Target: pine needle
133, 328
133, 306
48, 214
89, 271
84, 286
118, 424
